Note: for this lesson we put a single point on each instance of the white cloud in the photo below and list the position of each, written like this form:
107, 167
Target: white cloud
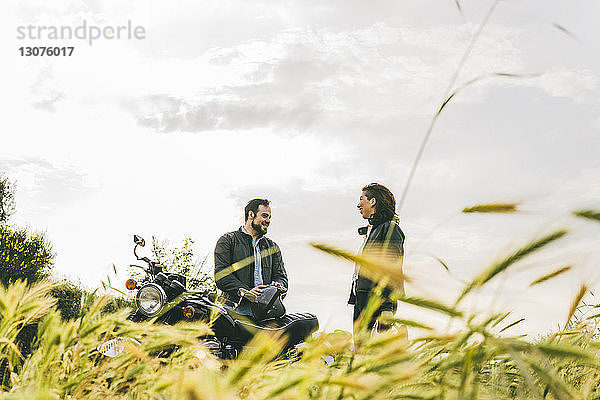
562, 82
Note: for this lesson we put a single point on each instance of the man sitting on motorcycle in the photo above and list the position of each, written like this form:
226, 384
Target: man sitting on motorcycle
247, 259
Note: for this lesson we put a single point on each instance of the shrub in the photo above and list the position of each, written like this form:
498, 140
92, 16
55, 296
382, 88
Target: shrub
23, 256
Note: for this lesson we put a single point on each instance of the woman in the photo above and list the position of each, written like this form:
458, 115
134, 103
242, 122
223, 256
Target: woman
384, 240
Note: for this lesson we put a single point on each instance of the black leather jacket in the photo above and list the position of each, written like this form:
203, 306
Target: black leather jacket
234, 263
382, 232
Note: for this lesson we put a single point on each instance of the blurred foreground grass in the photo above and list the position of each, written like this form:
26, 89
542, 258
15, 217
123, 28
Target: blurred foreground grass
477, 362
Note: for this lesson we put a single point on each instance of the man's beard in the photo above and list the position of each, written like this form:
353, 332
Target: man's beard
258, 228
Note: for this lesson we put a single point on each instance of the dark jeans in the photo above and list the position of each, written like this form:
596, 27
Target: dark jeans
362, 299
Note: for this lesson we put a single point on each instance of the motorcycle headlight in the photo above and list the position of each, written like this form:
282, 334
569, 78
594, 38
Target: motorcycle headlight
150, 299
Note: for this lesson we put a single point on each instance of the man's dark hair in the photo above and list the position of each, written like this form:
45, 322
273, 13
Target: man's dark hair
385, 207
253, 206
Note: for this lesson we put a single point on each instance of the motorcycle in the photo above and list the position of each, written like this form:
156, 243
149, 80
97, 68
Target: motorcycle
165, 298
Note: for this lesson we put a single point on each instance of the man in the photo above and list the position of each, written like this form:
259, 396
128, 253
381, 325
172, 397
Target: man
247, 259
384, 240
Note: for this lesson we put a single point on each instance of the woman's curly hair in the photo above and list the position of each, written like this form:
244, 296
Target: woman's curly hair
385, 206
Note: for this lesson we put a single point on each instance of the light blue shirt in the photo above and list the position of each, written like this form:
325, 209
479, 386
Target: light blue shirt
244, 307
258, 280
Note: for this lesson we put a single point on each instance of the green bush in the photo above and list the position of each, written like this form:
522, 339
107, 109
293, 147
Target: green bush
23, 255
69, 299
7, 198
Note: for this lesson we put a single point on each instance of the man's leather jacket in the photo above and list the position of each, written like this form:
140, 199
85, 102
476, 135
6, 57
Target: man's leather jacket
234, 263
389, 235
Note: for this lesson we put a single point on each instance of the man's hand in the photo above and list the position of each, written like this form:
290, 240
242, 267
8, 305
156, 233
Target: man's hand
257, 291
279, 286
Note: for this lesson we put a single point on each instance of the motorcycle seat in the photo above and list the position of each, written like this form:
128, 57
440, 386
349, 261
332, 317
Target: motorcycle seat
296, 326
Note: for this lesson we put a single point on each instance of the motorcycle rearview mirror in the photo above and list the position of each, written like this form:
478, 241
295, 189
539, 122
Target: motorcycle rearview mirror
139, 240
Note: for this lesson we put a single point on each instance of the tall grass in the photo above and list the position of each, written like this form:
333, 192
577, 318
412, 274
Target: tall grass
480, 361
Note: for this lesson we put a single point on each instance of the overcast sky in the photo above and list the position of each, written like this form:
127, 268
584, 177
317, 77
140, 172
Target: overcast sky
304, 103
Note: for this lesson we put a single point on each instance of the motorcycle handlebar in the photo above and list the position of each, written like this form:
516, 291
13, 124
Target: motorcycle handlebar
153, 267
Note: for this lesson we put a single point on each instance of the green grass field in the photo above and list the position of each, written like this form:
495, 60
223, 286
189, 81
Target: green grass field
478, 362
